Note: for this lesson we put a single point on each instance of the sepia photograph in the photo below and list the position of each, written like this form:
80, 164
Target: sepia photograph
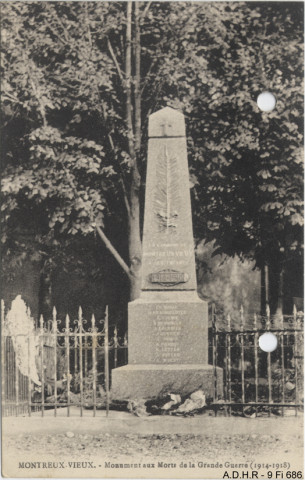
152, 276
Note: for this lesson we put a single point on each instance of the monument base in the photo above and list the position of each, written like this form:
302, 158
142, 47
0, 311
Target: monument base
148, 381
167, 328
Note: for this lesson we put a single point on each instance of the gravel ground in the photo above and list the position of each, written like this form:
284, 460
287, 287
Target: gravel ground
174, 446
168, 447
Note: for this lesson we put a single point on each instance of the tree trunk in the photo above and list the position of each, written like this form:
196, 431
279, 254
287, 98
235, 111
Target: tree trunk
280, 295
264, 288
137, 80
134, 142
132, 92
135, 247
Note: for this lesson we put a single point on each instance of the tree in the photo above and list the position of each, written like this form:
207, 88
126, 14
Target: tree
80, 80
254, 172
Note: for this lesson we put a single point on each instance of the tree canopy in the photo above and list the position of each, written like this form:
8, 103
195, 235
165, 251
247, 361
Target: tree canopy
79, 82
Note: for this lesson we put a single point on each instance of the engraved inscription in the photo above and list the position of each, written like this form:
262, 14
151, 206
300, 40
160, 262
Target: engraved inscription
168, 277
168, 332
166, 199
160, 254
167, 323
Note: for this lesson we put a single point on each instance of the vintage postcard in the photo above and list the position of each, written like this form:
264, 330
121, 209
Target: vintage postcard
152, 239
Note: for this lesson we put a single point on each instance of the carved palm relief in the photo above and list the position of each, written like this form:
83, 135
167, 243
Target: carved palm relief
167, 198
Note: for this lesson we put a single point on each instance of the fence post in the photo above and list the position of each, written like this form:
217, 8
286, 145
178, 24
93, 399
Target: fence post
282, 363
268, 324
16, 387
229, 363
94, 363
115, 342
41, 334
86, 356
75, 351
54, 328
29, 380
225, 390
295, 354
106, 352
214, 333
3, 357
242, 354
67, 351
125, 348
80, 333
256, 361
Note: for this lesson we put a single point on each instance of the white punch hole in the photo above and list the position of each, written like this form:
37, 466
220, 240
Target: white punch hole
268, 342
266, 101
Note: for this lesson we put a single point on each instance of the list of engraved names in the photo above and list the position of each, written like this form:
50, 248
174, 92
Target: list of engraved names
167, 328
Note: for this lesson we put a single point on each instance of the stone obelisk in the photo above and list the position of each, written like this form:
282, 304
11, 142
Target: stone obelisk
168, 324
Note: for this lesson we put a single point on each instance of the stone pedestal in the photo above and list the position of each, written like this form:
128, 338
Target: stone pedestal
167, 348
148, 381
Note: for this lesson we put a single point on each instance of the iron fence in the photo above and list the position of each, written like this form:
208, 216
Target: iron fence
73, 360
255, 381
14, 384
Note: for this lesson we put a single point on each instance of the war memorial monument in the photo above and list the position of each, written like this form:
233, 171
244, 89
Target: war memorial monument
168, 324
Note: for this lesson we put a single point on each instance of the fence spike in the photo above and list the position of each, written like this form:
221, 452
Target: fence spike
296, 317
294, 311
213, 313
255, 321
41, 322
93, 321
54, 321
80, 319
115, 337
229, 322
268, 310
268, 316
2, 311
67, 322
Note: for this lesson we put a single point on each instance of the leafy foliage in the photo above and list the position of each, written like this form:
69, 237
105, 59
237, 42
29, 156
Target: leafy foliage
67, 160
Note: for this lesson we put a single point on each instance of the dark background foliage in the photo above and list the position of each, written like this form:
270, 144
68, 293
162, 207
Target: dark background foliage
77, 91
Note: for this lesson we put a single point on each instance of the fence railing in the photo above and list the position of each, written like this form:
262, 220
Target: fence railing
255, 381
14, 384
72, 366
67, 363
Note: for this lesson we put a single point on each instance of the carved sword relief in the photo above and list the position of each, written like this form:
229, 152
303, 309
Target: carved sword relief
167, 199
